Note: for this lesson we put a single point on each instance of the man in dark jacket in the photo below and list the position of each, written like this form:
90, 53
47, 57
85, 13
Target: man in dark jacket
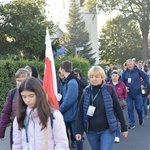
132, 78
60, 82
68, 107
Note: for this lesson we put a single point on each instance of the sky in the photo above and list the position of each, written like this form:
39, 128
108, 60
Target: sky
102, 18
4, 1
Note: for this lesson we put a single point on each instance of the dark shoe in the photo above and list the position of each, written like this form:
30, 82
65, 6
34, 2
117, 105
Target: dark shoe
131, 127
73, 145
141, 122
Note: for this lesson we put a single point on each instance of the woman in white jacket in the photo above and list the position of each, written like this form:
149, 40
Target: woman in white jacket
37, 125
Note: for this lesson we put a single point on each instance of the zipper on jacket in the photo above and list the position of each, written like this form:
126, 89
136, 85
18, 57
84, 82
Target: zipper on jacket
87, 127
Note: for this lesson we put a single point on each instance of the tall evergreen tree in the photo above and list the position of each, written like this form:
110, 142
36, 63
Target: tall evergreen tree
78, 35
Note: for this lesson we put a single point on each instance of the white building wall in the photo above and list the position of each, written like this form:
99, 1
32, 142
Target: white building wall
91, 25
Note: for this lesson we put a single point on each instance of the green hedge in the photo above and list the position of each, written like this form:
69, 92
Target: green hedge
77, 62
9, 67
7, 72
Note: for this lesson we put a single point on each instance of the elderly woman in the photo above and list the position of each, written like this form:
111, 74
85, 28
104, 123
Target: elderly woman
98, 111
121, 92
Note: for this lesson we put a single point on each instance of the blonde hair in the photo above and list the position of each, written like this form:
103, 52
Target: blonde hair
97, 70
28, 68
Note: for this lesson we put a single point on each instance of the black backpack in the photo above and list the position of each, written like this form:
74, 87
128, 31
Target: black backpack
81, 86
13, 91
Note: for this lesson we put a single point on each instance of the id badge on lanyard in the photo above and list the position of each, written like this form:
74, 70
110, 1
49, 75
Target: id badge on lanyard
28, 147
26, 123
129, 80
91, 110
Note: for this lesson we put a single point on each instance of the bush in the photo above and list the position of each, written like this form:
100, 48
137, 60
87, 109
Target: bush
9, 67
77, 62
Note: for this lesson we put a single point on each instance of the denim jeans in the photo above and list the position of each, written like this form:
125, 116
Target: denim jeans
118, 132
71, 126
145, 99
101, 140
138, 102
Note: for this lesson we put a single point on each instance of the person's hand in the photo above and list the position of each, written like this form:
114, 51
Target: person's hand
125, 134
127, 88
119, 123
148, 96
142, 86
78, 137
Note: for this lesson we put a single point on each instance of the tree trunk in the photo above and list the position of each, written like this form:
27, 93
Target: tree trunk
145, 32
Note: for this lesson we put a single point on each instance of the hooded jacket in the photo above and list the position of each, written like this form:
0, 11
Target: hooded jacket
50, 138
34, 71
70, 98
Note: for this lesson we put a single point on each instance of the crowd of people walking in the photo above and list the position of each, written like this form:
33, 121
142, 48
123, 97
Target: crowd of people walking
90, 107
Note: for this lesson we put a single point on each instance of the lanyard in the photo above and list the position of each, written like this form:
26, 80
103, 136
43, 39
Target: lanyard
94, 97
26, 123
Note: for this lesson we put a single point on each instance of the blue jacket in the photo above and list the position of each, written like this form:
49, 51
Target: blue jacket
70, 98
111, 106
108, 104
136, 82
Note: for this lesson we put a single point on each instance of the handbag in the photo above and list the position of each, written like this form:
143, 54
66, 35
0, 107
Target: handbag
122, 102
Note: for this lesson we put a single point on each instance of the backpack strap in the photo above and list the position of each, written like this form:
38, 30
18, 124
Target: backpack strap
109, 88
13, 91
12, 94
52, 116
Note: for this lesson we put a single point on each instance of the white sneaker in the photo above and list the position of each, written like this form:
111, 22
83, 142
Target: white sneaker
117, 139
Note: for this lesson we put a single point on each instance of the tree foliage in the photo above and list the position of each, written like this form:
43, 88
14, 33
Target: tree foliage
78, 35
119, 40
23, 25
138, 10
90, 5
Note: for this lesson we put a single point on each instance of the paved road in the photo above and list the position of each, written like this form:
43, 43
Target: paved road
4, 144
138, 138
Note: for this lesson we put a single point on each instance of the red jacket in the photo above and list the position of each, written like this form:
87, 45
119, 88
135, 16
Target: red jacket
120, 88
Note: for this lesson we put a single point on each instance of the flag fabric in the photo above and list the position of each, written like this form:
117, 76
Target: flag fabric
49, 80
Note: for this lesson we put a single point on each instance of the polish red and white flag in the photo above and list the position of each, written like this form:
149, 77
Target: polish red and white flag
49, 80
